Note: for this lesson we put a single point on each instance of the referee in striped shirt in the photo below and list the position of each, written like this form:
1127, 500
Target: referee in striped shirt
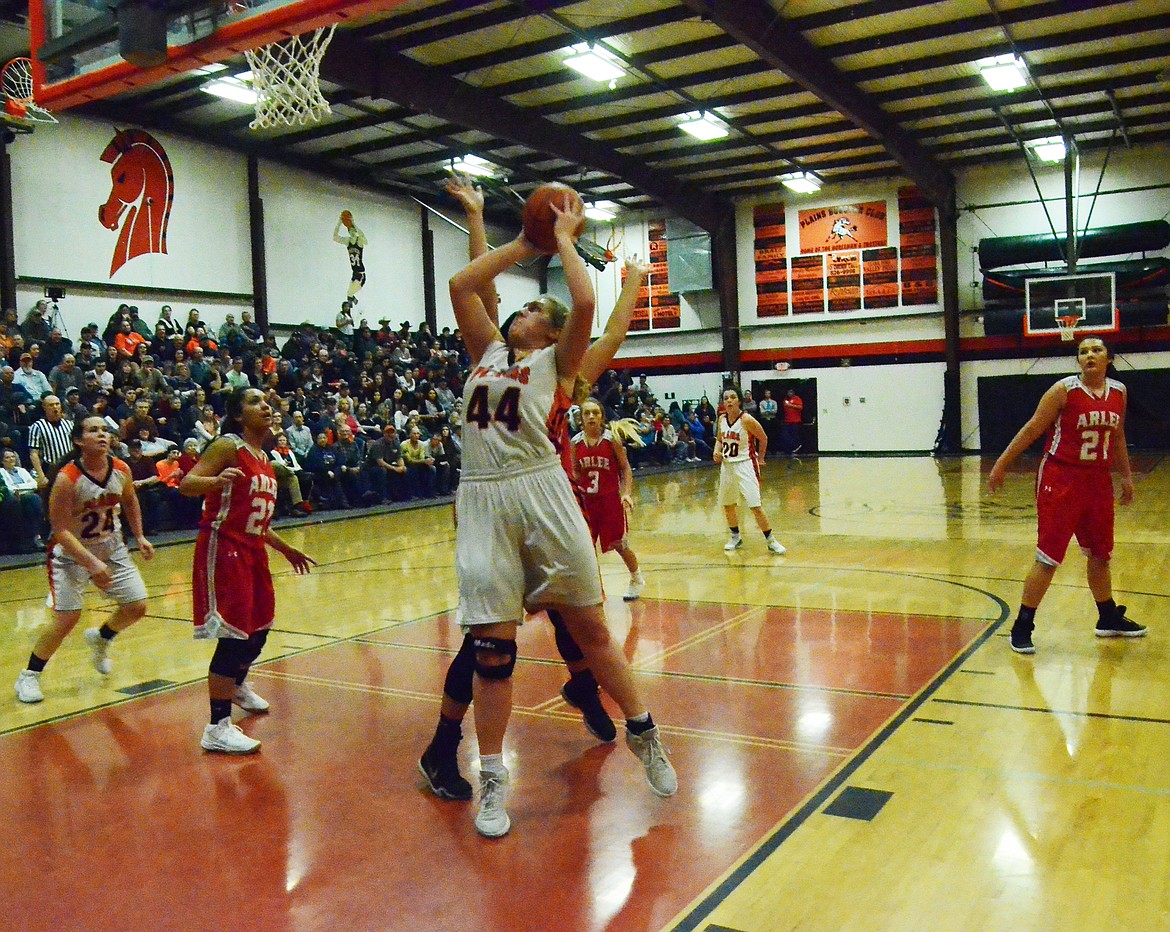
50, 439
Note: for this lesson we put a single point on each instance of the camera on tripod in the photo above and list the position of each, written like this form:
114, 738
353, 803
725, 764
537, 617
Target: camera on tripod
54, 292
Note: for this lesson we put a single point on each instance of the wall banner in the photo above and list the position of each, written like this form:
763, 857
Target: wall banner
770, 260
844, 227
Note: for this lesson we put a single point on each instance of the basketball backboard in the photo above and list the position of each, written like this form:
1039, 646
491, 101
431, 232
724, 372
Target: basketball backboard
1089, 299
77, 54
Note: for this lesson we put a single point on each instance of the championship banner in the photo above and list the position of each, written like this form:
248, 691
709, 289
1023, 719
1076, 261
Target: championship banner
916, 231
844, 281
770, 259
844, 227
808, 284
656, 232
879, 277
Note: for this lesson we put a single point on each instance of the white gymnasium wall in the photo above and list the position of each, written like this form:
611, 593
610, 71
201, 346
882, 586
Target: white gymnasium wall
1133, 188
59, 181
309, 274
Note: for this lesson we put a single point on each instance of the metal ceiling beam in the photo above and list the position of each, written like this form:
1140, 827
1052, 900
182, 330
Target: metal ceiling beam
378, 73
755, 24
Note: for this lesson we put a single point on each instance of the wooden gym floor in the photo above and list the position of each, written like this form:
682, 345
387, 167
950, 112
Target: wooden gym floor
857, 747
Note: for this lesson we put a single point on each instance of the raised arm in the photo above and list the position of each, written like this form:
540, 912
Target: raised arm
471, 197
478, 328
1046, 414
604, 348
575, 334
338, 237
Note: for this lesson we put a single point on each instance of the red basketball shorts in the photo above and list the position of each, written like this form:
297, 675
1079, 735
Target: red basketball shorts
607, 520
1073, 501
232, 594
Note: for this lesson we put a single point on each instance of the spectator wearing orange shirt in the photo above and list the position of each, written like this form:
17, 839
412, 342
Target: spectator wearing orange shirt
127, 341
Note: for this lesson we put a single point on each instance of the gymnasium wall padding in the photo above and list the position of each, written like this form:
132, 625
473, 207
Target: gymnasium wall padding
1143, 236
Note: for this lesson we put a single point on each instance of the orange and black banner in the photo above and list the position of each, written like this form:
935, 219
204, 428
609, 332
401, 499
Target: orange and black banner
879, 277
844, 281
658, 273
843, 227
808, 284
771, 261
917, 235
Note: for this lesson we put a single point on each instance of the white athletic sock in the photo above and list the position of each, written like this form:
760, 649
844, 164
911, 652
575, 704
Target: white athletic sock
492, 763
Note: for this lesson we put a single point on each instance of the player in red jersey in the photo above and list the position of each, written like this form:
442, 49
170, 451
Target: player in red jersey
1084, 417
605, 485
233, 596
89, 490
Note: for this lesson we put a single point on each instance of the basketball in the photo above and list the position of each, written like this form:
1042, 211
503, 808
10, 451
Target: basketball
346, 219
539, 217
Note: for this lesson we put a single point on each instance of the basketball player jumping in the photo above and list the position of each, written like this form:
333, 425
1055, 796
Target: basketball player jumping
354, 240
739, 438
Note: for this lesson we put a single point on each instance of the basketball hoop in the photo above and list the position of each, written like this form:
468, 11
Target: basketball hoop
286, 77
1068, 326
16, 85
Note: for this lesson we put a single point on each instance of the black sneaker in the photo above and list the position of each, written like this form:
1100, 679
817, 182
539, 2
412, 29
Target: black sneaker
1119, 626
442, 775
588, 703
1022, 639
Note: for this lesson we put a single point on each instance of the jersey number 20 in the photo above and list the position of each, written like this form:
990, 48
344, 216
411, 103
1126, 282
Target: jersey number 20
507, 411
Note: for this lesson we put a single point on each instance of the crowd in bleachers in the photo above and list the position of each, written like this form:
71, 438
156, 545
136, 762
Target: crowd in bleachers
365, 415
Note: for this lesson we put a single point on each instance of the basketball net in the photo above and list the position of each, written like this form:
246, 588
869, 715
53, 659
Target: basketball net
1068, 326
16, 85
286, 77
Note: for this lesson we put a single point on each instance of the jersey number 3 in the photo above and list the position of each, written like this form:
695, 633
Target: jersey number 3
507, 411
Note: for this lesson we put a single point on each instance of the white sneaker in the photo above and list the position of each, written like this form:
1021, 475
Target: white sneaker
659, 771
100, 648
28, 687
492, 820
227, 738
733, 543
775, 546
637, 584
248, 699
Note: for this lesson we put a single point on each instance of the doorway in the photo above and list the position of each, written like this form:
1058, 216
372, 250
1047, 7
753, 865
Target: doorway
806, 389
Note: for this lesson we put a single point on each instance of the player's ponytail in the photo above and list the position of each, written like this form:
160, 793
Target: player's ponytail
233, 418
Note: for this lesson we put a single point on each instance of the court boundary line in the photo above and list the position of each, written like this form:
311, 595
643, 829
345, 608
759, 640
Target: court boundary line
690, 918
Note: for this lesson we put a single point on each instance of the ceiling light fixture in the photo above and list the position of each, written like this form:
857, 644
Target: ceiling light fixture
801, 182
1049, 149
1003, 72
594, 62
233, 87
703, 126
474, 165
601, 210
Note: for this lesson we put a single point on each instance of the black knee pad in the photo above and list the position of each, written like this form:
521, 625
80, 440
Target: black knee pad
486, 648
230, 654
566, 646
461, 673
255, 644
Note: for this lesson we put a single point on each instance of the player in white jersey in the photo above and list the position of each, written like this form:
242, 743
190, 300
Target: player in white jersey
90, 488
522, 542
740, 448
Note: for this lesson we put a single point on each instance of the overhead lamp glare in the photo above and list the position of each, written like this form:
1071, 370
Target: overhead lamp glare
801, 182
601, 210
474, 165
1050, 149
238, 88
703, 126
594, 63
1003, 72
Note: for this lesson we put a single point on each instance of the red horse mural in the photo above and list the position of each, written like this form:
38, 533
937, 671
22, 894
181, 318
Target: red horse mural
141, 180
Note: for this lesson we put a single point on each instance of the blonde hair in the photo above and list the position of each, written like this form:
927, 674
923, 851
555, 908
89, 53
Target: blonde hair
626, 431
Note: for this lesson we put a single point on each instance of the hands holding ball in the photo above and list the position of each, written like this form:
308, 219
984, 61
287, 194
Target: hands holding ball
549, 209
